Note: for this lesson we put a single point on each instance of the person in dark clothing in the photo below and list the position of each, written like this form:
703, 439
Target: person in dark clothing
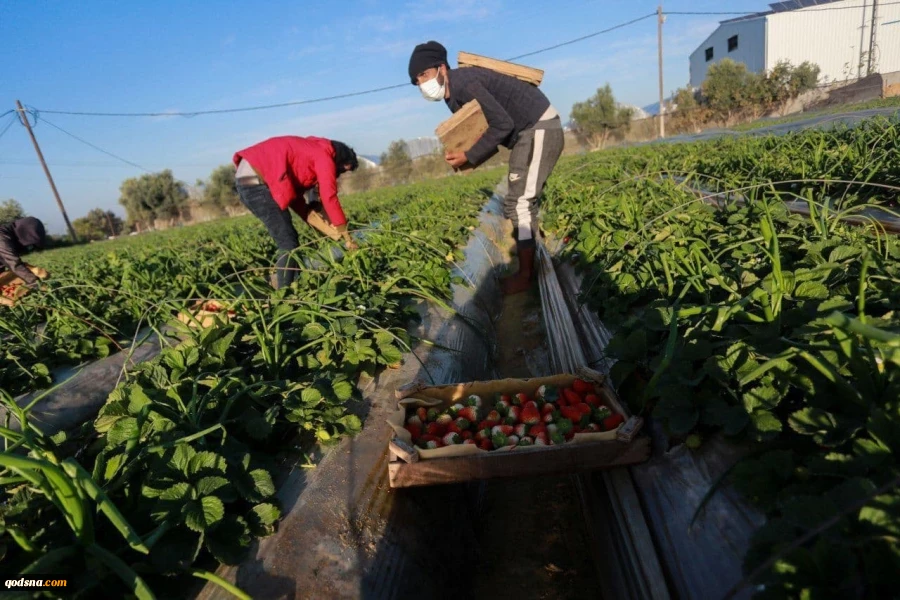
519, 117
16, 239
273, 176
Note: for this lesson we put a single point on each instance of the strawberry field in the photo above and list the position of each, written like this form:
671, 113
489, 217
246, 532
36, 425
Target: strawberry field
767, 327
177, 472
774, 330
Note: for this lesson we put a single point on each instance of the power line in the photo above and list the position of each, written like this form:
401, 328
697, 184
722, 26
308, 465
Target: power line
323, 99
584, 37
805, 9
35, 114
8, 125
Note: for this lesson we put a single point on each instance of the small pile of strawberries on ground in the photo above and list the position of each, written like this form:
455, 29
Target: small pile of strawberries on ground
552, 417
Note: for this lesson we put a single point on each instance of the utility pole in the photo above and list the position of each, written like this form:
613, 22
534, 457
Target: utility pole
24, 116
112, 231
872, 37
662, 107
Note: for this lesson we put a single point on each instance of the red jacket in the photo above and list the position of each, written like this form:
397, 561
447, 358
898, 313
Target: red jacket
291, 165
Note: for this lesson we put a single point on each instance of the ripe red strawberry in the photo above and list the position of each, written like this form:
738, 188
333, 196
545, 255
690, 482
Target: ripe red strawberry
571, 413
486, 444
483, 434
505, 398
531, 416
453, 428
612, 421
415, 420
549, 417
547, 408
530, 404
451, 439
520, 399
493, 416
470, 441
422, 413
467, 435
536, 430
521, 429
485, 425
584, 408
504, 429
454, 410
512, 417
576, 429
582, 387
414, 431
436, 429
571, 396
542, 439
593, 400
469, 413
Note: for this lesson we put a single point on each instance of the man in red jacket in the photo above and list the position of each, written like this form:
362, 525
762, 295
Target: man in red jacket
272, 177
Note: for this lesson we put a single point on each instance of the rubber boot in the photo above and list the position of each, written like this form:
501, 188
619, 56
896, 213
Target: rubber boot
521, 281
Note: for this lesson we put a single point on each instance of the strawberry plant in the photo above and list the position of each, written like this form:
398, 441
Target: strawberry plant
762, 325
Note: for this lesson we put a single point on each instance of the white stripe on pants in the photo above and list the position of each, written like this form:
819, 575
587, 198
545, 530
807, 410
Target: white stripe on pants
523, 204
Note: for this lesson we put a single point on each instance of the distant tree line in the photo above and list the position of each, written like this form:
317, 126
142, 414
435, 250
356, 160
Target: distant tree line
729, 94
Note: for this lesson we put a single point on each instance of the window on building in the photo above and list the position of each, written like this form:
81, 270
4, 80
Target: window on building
732, 43
709, 54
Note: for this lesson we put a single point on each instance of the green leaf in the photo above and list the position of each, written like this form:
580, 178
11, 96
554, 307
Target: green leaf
351, 423
229, 540
342, 389
181, 457
825, 427
312, 331
113, 464
811, 290
311, 396
137, 399
766, 397
206, 461
766, 426
123, 430
808, 512
262, 519
255, 485
208, 486
390, 355
179, 491
200, 515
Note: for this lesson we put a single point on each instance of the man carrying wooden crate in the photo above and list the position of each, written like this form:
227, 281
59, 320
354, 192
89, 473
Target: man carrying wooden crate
519, 117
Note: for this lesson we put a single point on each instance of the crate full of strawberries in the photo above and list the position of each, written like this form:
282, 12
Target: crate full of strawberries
441, 428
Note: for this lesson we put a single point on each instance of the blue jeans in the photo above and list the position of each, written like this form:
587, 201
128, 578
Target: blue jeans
258, 199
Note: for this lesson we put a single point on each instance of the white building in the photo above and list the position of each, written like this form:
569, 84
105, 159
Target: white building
834, 34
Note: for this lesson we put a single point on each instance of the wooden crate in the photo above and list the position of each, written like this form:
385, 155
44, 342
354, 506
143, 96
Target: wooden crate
204, 313
410, 466
521, 72
8, 278
463, 129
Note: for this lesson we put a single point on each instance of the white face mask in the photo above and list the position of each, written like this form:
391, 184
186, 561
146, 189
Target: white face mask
432, 90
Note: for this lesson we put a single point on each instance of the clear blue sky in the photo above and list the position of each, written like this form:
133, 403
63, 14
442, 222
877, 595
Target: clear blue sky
167, 55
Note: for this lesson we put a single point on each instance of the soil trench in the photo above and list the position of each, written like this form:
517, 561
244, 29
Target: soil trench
530, 531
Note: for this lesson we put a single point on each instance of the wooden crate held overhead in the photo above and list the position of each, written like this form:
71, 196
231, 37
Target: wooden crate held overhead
526, 74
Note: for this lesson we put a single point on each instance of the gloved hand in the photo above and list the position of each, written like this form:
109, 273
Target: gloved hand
348, 241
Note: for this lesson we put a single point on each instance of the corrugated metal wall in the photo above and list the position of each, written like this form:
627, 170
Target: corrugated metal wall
837, 40
750, 51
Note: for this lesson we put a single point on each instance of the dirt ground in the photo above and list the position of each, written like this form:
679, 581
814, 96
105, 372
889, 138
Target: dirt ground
530, 531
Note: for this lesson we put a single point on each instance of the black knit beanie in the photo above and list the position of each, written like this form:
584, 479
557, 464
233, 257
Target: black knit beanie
425, 56
30, 232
